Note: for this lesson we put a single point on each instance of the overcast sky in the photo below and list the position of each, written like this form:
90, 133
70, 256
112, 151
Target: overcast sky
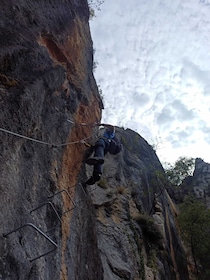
153, 68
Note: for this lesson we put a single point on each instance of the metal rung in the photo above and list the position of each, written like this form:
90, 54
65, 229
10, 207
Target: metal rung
69, 196
55, 211
84, 192
39, 231
83, 189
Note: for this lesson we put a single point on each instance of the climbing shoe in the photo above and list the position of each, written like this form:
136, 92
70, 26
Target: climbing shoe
94, 160
93, 179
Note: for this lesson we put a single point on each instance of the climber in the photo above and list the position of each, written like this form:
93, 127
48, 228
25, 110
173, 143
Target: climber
106, 143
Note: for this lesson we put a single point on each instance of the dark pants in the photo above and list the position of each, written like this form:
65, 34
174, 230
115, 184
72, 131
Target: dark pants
101, 148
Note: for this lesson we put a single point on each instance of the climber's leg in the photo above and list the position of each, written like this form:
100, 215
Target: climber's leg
98, 157
97, 161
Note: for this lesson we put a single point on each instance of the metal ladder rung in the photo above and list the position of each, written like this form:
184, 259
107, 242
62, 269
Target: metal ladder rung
69, 196
39, 231
53, 207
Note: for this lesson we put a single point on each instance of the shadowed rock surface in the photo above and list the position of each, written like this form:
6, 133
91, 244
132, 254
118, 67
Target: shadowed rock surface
121, 228
198, 185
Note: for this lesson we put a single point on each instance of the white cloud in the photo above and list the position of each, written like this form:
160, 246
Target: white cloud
154, 71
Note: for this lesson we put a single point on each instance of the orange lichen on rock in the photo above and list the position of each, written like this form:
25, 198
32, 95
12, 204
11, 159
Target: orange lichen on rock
55, 51
7, 81
72, 53
73, 158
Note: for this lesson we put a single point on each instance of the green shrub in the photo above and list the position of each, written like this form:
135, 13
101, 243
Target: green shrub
149, 229
102, 183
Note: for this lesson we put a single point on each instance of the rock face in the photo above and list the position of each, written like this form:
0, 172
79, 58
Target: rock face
121, 228
137, 237
199, 184
46, 78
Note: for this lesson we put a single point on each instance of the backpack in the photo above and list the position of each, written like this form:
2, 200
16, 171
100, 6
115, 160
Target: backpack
114, 147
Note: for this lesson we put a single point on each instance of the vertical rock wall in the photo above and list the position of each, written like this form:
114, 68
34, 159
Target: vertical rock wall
201, 181
45, 79
198, 184
137, 235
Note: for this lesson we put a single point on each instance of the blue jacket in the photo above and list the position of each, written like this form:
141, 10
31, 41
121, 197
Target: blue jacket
108, 134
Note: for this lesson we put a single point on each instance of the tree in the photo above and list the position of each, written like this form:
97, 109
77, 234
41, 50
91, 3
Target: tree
194, 223
182, 168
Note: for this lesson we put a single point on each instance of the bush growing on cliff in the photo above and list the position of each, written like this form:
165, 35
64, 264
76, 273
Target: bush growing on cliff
149, 229
182, 168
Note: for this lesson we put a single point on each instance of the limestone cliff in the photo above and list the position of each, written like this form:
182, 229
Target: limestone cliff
46, 78
198, 185
121, 228
137, 235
